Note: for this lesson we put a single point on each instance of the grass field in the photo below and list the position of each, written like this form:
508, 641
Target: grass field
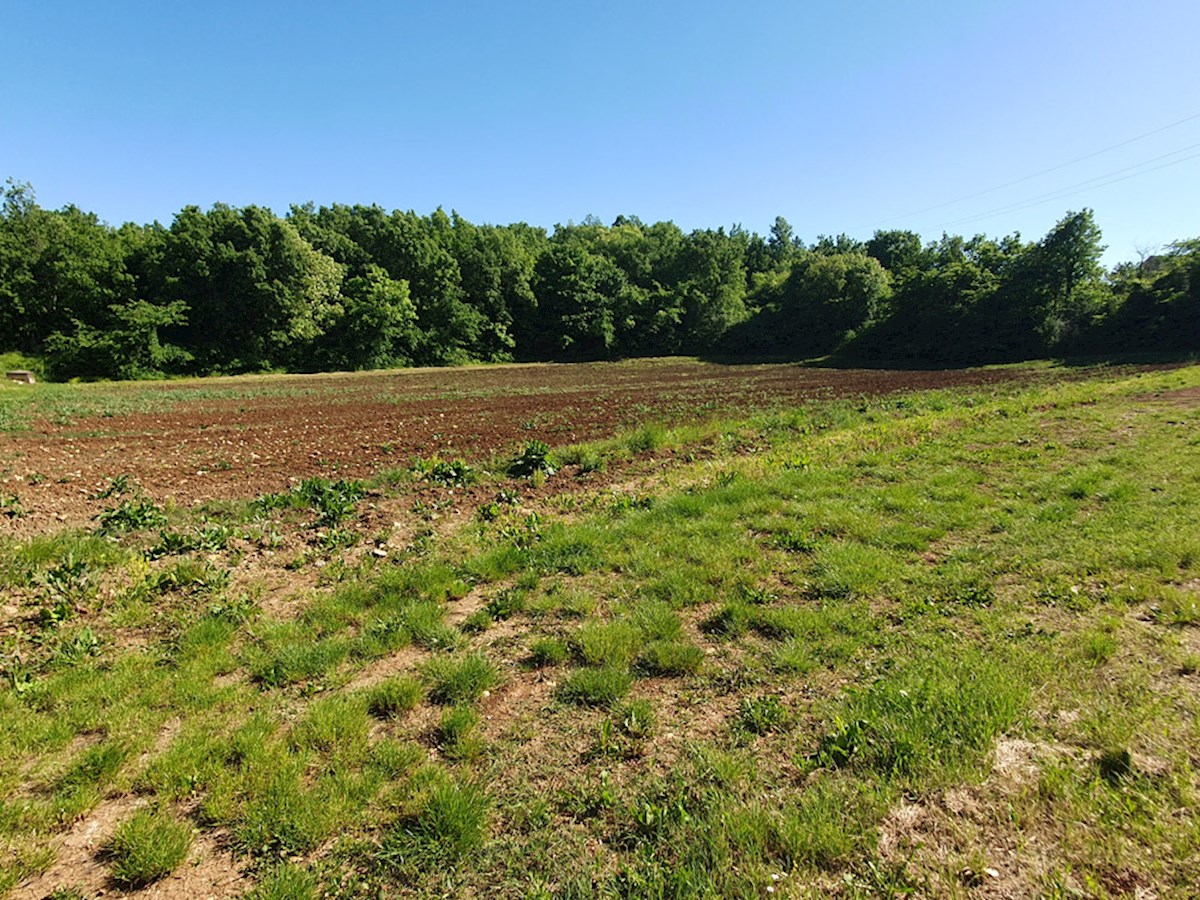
936, 643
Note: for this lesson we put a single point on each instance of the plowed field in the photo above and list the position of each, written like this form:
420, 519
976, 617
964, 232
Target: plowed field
240, 437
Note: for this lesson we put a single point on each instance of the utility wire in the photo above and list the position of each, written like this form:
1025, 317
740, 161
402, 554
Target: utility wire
1079, 187
1063, 165
1030, 205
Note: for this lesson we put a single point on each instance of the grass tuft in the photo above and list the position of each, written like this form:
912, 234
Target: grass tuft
147, 847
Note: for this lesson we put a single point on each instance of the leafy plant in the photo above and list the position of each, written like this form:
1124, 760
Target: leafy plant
448, 472
534, 457
131, 515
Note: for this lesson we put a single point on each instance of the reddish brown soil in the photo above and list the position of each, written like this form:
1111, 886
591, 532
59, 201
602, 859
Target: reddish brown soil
288, 427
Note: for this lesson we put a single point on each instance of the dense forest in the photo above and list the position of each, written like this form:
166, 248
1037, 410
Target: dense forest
350, 287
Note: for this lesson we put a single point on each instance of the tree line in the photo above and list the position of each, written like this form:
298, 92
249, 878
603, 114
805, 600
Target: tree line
230, 290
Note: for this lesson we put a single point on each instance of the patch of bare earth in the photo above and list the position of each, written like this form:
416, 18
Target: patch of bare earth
964, 840
209, 871
291, 427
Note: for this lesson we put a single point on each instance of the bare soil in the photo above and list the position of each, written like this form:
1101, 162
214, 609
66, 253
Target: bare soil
285, 428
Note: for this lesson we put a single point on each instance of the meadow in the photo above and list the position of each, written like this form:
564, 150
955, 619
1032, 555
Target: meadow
711, 631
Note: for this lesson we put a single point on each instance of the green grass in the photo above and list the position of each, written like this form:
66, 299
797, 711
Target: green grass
595, 686
394, 697
458, 679
777, 636
449, 822
147, 847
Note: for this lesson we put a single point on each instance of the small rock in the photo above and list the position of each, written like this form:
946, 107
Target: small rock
380, 552
969, 877
991, 873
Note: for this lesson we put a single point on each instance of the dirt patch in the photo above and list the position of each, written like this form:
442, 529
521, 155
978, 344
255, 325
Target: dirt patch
962, 840
1188, 398
400, 662
209, 871
78, 862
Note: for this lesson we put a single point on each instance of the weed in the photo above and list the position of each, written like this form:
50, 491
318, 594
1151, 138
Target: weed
635, 718
670, 658
116, 487
730, 621
547, 651
334, 726
1177, 607
286, 882
136, 514
210, 538
606, 643
646, 438
333, 500
455, 734
534, 457
10, 506
762, 715
450, 473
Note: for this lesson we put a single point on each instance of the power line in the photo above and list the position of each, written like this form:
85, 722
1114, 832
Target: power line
1079, 187
1038, 174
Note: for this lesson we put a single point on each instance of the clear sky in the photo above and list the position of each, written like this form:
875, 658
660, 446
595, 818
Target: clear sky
841, 116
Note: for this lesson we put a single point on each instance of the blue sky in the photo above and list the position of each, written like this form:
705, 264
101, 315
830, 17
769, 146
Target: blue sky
839, 116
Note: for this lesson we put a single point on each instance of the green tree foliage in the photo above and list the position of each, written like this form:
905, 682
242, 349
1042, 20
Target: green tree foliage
1158, 306
579, 294
258, 294
234, 290
829, 296
374, 326
127, 346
